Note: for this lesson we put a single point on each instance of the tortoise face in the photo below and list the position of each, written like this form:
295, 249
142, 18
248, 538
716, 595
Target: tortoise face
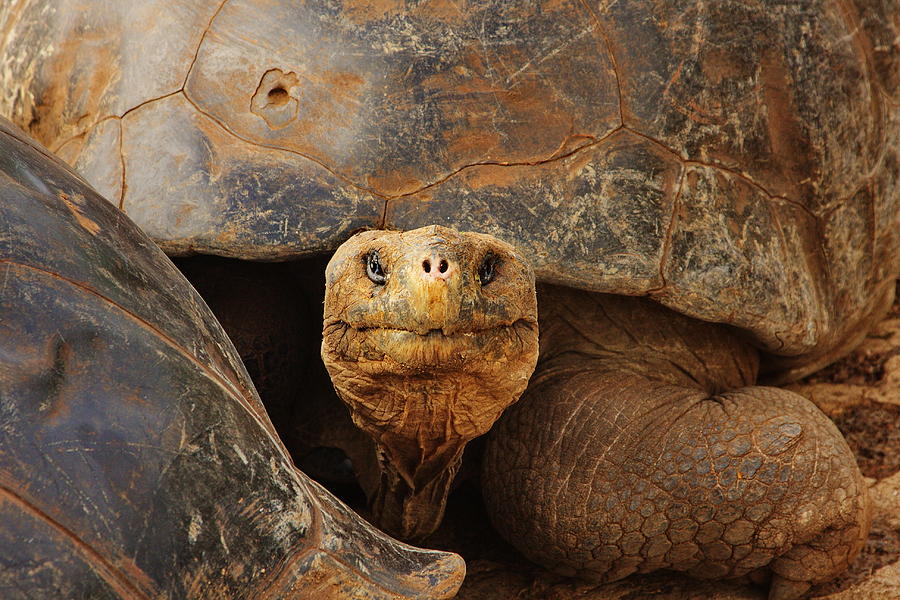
429, 300
428, 336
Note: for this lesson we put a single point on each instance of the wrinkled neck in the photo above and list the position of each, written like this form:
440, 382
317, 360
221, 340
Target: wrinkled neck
411, 496
420, 426
419, 415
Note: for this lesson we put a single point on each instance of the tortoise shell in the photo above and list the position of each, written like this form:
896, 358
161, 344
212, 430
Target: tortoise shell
736, 161
136, 459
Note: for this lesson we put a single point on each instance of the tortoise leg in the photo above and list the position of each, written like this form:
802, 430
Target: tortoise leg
642, 444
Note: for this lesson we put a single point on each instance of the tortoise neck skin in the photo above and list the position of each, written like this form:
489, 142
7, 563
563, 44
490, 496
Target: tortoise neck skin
428, 336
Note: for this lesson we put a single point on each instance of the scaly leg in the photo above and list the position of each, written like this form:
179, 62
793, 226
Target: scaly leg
642, 444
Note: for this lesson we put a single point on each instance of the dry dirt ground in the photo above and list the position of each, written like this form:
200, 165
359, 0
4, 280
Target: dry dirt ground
861, 393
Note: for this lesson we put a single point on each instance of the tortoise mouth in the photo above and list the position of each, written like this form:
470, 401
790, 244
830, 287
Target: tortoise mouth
442, 348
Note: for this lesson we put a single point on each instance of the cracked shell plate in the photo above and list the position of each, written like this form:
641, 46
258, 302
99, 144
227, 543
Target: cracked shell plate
737, 161
136, 460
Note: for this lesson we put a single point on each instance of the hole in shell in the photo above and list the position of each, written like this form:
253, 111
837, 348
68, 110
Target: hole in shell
278, 96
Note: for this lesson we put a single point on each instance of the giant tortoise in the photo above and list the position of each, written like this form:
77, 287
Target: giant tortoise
707, 192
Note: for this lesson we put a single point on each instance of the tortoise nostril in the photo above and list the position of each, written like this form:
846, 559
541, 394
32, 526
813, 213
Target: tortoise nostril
435, 267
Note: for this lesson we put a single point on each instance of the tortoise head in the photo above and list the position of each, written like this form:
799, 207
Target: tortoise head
428, 336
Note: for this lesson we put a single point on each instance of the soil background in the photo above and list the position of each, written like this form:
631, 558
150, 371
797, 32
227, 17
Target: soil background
861, 393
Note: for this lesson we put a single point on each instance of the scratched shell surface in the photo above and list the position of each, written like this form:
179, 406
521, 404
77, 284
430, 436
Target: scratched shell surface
736, 160
136, 460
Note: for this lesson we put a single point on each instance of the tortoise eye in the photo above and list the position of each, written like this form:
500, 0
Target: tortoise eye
488, 269
374, 270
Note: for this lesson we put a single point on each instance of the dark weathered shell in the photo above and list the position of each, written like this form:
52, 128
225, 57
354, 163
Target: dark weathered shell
736, 160
136, 460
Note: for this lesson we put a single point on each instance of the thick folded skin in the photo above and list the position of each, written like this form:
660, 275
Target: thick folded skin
642, 444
